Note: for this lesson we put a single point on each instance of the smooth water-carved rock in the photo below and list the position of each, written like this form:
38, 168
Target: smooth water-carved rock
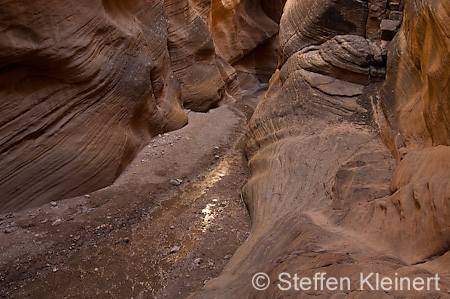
84, 86
306, 23
194, 58
415, 101
413, 219
347, 57
417, 92
327, 192
238, 27
273, 8
261, 62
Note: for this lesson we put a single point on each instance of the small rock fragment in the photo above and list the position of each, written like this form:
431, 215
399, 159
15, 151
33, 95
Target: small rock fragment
198, 261
176, 182
56, 222
175, 249
375, 10
8, 230
396, 15
394, 5
53, 203
388, 29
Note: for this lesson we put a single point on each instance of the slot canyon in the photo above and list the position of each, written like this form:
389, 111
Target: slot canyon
225, 149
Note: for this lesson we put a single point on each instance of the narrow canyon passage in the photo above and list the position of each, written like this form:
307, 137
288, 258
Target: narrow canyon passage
170, 223
224, 149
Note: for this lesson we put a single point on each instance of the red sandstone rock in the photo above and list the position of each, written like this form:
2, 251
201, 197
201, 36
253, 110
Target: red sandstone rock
84, 86
203, 76
327, 194
84, 91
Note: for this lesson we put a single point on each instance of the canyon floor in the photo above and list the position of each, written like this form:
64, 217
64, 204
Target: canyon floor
167, 225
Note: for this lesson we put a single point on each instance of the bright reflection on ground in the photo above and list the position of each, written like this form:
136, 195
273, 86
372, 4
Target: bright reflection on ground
209, 215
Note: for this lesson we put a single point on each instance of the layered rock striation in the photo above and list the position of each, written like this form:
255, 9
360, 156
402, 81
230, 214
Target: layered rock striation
349, 175
348, 151
205, 76
85, 85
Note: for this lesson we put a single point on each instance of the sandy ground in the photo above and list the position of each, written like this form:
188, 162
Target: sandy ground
162, 230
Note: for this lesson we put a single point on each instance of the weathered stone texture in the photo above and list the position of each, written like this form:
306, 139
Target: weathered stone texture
346, 180
84, 85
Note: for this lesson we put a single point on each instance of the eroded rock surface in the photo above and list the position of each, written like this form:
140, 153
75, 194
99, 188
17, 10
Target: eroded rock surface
306, 23
349, 174
344, 180
247, 25
85, 85
203, 73
415, 99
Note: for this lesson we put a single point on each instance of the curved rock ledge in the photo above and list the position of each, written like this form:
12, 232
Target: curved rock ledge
346, 181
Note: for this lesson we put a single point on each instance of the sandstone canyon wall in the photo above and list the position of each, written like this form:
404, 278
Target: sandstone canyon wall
86, 84
350, 172
348, 151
